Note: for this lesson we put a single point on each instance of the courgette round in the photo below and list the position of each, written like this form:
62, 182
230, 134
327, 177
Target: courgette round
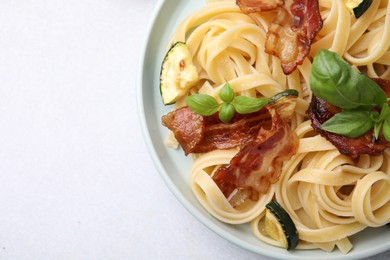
358, 7
178, 73
279, 226
284, 103
285, 93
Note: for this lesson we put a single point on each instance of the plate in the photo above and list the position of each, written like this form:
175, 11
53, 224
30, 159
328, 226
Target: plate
174, 167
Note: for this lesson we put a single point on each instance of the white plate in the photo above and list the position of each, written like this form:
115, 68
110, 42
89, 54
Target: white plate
174, 167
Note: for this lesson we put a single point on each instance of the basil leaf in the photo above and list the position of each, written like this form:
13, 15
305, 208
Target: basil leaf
378, 122
202, 104
385, 112
246, 105
386, 130
350, 123
226, 93
333, 80
377, 129
227, 112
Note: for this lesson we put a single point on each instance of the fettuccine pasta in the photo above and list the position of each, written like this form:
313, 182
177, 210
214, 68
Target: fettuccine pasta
328, 195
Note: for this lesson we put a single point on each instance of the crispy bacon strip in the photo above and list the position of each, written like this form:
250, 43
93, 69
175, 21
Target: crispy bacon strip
187, 126
198, 134
291, 34
251, 6
384, 84
320, 111
258, 163
265, 139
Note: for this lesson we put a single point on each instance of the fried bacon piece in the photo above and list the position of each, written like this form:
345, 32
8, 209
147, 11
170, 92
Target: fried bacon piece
291, 34
198, 134
187, 126
320, 111
384, 84
264, 139
258, 163
251, 6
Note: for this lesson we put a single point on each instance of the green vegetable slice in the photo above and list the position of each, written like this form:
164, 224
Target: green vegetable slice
178, 73
279, 226
284, 103
358, 7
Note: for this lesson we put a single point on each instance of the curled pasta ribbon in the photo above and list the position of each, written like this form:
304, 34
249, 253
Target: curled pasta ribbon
201, 16
227, 45
211, 197
375, 43
331, 196
371, 199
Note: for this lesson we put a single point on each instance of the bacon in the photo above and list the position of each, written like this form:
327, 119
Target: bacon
198, 134
265, 140
187, 126
291, 34
251, 6
320, 111
258, 163
384, 84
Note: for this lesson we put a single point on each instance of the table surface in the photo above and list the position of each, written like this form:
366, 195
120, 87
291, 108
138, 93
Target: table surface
76, 180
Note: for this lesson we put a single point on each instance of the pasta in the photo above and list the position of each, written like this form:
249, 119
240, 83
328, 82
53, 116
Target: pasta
328, 195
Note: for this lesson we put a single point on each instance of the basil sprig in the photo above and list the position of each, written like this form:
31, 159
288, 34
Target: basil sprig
335, 81
207, 105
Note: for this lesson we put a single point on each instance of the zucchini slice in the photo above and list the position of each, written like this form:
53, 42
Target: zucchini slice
284, 103
358, 7
279, 226
178, 73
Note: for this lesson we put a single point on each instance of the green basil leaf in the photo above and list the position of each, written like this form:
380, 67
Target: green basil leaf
202, 104
246, 105
386, 130
333, 80
385, 112
350, 123
226, 93
378, 121
227, 112
377, 129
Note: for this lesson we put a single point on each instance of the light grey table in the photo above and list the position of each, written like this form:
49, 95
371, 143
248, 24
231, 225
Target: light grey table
76, 181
